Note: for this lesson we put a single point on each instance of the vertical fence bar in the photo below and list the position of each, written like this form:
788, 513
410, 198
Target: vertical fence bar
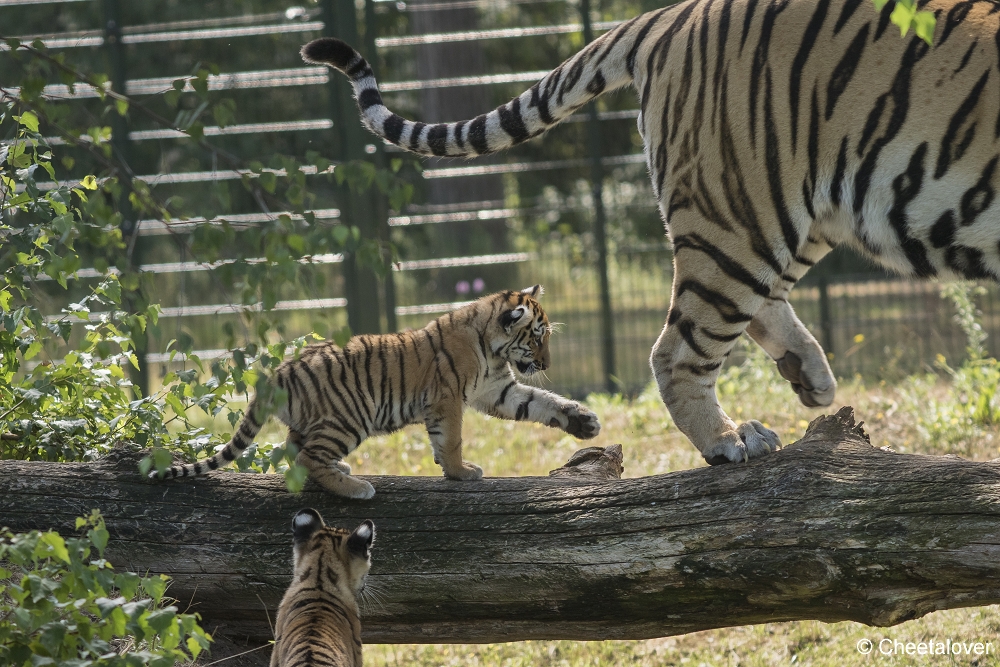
825, 321
600, 223
360, 282
382, 209
130, 263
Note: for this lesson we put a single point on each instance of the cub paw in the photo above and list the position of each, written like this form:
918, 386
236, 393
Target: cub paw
346, 486
468, 472
750, 440
580, 422
815, 388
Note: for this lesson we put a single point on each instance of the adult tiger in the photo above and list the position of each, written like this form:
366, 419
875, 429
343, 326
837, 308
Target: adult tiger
378, 384
774, 130
318, 623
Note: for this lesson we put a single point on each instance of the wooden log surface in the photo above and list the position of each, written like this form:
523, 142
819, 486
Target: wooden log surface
829, 528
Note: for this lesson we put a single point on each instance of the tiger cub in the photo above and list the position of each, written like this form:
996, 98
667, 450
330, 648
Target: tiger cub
378, 384
318, 622
774, 130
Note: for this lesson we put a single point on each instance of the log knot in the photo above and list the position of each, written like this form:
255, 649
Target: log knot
842, 421
593, 463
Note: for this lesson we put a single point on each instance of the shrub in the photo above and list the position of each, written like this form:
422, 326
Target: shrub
61, 606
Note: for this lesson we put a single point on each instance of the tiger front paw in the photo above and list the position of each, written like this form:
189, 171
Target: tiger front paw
467, 472
750, 440
580, 422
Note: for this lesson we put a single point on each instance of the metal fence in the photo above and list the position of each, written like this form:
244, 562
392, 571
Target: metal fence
879, 327
458, 241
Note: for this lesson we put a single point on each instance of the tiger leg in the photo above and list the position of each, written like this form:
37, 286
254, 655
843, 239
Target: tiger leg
520, 402
323, 449
778, 330
709, 310
444, 426
296, 439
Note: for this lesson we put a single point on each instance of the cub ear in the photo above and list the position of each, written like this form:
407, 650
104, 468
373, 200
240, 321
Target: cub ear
508, 318
305, 524
360, 541
534, 291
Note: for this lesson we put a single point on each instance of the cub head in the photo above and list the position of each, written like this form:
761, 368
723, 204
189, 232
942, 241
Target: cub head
331, 557
522, 330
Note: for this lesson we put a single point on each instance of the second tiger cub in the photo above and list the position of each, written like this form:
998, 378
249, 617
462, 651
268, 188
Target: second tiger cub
378, 384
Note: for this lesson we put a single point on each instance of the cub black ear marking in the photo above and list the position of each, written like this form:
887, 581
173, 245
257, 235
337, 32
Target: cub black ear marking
508, 318
305, 524
534, 291
360, 541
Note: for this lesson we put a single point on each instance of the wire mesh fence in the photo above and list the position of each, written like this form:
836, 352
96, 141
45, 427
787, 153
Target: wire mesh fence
465, 239
879, 327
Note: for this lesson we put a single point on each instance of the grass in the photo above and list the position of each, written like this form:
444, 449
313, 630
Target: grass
922, 414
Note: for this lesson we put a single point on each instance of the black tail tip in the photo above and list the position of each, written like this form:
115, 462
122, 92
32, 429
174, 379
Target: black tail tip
328, 51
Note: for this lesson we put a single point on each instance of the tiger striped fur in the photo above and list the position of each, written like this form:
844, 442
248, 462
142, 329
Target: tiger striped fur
774, 130
377, 384
318, 623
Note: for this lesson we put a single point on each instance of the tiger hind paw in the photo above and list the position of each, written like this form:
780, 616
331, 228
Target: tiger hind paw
750, 440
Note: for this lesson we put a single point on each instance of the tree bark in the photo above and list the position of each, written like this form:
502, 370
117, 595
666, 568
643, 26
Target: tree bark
829, 528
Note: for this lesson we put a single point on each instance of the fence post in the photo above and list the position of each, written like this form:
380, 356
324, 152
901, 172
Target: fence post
381, 204
600, 223
130, 263
825, 322
360, 282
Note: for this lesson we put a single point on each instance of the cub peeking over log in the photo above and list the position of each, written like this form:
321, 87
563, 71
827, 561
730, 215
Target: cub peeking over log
318, 621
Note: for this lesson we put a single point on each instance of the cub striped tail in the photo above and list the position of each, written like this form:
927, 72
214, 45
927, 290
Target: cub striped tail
248, 429
601, 67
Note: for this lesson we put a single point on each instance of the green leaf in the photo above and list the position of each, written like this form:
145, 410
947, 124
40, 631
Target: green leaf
5, 299
295, 477
51, 637
99, 537
200, 82
121, 106
175, 403
902, 16
33, 350
342, 336
172, 97
89, 182
224, 112
340, 234
155, 587
160, 619
194, 647
106, 605
56, 546
28, 120
923, 25
128, 584
268, 180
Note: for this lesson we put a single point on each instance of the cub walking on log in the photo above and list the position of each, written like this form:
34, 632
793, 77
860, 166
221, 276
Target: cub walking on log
380, 383
773, 131
318, 622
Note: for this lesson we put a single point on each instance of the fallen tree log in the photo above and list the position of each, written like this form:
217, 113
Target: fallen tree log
829, 528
